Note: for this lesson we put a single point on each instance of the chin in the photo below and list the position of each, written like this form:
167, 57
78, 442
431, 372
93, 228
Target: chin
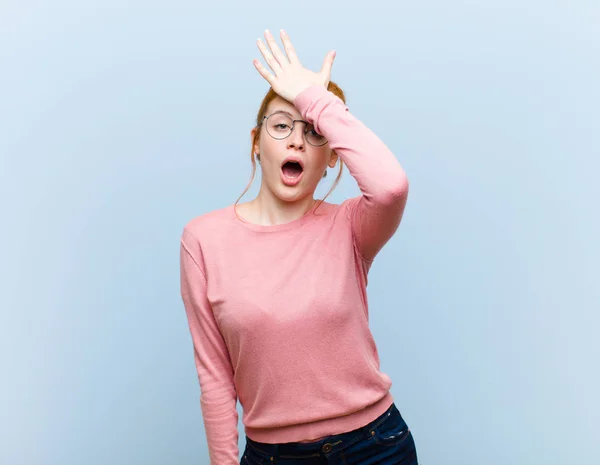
294, 193
291, 196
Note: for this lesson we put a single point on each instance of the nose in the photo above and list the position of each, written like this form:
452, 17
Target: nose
296, 138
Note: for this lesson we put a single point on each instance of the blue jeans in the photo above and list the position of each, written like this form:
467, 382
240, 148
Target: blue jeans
387, 440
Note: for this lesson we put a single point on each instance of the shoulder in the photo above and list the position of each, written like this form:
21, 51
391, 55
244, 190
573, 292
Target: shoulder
207, 224
334, 215
345, 208
337, 212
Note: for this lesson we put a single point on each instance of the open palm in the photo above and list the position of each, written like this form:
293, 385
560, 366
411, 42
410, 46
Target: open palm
290, 77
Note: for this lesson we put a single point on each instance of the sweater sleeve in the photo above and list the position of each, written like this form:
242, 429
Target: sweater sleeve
376, 214
218, 396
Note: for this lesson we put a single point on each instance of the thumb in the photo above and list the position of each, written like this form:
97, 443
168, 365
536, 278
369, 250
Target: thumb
327, 65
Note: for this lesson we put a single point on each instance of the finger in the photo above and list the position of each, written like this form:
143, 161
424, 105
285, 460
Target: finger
271, 61
277, 53
264, 72
328, 64
289, 48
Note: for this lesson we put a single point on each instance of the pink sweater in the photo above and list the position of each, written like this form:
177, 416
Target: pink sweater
278, 315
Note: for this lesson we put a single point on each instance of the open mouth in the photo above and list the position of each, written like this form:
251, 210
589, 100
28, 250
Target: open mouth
292, 169
291, 173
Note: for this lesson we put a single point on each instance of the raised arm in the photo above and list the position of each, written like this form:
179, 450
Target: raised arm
376, 214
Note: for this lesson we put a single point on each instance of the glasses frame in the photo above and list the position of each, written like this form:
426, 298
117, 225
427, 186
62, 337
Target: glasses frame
293, 126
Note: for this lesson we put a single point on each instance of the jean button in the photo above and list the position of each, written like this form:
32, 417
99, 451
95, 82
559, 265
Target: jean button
326, 447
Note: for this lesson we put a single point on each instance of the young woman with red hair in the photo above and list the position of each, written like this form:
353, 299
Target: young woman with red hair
275, 288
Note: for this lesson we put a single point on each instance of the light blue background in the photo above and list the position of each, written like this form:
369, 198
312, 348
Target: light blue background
118, 124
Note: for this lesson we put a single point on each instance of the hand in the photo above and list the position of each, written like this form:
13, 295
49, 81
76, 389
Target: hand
291, 77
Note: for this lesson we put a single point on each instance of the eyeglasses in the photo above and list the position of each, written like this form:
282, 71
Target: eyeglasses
280, 125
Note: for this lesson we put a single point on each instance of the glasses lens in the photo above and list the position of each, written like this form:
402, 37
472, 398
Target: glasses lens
314, 138
279, 126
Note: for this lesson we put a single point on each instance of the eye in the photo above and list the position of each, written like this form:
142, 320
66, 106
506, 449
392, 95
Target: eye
282, 124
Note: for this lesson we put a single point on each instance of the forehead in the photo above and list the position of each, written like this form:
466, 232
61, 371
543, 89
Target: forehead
279, 104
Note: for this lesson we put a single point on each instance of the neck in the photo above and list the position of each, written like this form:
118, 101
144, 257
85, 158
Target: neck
269, 210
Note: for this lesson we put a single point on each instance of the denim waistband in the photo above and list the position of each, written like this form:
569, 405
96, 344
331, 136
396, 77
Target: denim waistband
323, 447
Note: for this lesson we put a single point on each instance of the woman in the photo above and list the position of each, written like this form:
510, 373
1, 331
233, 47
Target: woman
275, 289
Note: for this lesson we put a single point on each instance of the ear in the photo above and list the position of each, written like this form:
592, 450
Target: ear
255, 147
333, 159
